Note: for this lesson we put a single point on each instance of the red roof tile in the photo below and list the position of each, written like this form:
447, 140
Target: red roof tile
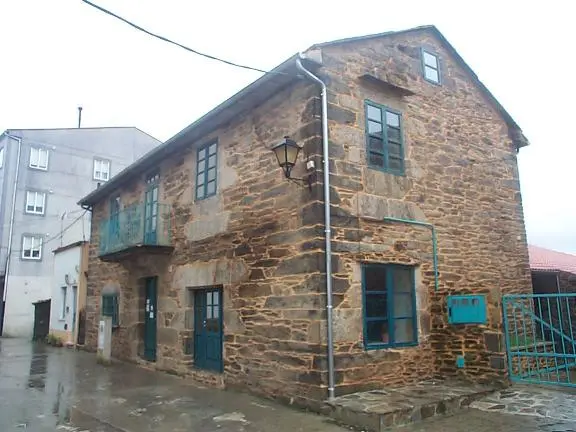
549, 260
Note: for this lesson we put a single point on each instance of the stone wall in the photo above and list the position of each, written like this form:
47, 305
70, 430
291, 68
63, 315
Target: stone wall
460, 175
252, 238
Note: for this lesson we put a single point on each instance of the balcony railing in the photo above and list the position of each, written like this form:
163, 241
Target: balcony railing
136, 226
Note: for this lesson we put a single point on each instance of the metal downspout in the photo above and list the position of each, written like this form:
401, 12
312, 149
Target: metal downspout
327, 229
12, 211
434, 242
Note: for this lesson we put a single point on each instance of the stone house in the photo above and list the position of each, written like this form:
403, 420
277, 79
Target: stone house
213, 264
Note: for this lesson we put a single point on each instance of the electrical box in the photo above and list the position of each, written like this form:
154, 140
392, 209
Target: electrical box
104, 352
467, 309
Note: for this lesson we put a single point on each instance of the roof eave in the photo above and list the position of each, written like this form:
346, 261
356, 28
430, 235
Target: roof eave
252, 95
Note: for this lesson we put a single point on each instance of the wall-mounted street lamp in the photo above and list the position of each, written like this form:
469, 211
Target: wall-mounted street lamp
287, 155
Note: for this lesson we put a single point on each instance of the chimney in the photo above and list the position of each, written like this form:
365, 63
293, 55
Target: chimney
79, 116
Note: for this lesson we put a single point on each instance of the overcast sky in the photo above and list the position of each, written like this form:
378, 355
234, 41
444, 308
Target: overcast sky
58, 54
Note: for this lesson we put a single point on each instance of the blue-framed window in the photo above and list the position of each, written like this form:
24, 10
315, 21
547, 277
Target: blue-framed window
389, 301
385, 145
431, 67
110, 307
206, 170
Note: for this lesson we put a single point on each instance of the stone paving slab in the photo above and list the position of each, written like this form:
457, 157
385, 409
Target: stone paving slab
532, 401
379, 410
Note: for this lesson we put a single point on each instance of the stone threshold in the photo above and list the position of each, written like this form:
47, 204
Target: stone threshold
380, 410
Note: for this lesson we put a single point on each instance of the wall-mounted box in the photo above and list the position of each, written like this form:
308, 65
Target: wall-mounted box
466, 309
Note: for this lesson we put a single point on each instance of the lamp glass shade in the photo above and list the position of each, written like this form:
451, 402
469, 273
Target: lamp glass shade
287, 154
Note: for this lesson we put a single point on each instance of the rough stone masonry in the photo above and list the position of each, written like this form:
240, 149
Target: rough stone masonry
260, 237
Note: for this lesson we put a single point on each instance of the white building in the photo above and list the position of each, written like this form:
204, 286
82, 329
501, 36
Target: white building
52, 169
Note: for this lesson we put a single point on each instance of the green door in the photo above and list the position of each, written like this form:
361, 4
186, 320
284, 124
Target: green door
208, 329
151, 210
114, 222
150, 319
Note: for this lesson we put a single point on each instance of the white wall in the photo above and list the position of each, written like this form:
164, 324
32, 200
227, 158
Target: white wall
24, 290
66, 262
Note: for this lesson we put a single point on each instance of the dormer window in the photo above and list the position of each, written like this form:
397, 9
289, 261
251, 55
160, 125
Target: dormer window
431, 67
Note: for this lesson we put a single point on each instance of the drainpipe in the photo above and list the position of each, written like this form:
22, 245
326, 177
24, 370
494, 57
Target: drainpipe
327, 230
434, 242
12, 211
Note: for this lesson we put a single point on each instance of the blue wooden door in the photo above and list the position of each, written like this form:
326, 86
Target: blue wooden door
150, 319
208, 329
151, 210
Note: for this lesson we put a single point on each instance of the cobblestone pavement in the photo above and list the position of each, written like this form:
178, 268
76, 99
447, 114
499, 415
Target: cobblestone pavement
44, 389
531, 401
472, 420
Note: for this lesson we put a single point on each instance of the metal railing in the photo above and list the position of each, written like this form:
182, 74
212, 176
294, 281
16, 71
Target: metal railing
540, 332
137, 225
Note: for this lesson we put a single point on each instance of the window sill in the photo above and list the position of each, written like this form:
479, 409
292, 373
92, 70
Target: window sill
375, 346
388, 171
439, 84
38, 168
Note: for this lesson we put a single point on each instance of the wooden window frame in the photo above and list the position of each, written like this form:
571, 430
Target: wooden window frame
386, 141
388, 316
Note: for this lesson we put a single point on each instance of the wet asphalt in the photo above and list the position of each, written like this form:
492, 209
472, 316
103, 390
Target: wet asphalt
46, 389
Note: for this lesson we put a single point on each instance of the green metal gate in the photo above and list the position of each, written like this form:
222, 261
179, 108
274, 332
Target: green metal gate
539, 331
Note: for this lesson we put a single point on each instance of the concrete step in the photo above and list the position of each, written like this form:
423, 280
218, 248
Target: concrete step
381, 410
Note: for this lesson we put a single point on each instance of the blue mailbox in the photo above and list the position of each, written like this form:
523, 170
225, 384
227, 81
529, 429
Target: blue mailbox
467, 309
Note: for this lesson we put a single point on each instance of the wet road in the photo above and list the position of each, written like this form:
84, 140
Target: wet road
45, 389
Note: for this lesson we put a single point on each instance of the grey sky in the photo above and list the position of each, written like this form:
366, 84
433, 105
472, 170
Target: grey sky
58, 54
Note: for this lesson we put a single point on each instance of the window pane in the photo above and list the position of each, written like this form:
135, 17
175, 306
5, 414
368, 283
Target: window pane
209, 312
43, 159
376, 159
212, 149
431, 74
200, 192
430, 60
209, 298
35, 253
395, 163
404, 331
374, 128
403, 305
375, 278
33, 157
376, 306
211, 174
392, 119
376, 144
215, 298
374, 113
377, 332
200, 180
402, 278
202, 154
212, 161
211, 188
216, 311
393, 134
395, 150
29, 208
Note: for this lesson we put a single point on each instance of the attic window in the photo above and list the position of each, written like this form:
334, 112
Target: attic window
431, 67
